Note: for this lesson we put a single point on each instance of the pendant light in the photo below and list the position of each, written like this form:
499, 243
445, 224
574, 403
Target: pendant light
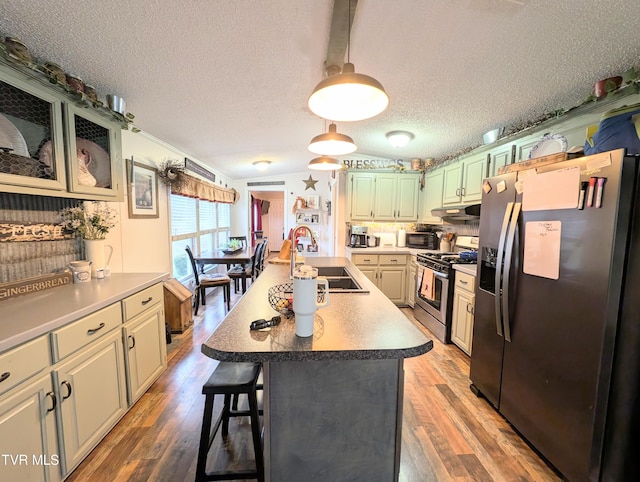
348, 96
332, 143
324, 163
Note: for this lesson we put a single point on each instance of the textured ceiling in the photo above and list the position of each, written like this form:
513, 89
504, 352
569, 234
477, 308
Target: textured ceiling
227, 81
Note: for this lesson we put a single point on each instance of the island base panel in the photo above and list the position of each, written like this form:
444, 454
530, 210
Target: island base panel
336, 420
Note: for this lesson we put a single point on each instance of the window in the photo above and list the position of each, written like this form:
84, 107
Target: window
202, 225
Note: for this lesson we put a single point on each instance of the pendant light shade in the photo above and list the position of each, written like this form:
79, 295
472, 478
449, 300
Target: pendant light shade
324, 163
332, 143
348, 96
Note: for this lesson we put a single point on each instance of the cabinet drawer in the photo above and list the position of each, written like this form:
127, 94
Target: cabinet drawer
18, 364
465, 281
82, 332
393, 259
364, 259
136, 304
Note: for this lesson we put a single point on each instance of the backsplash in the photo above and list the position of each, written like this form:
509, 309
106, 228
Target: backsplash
22, 260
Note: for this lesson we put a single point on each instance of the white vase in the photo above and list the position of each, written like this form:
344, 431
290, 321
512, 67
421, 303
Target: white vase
94, 252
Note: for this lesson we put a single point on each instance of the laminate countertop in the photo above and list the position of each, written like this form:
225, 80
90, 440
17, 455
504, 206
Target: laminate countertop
354, 326
27, 317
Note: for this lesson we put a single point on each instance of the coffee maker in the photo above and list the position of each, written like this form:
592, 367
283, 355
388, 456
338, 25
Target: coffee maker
358, 237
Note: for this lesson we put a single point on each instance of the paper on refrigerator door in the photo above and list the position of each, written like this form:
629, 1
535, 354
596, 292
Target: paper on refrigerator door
551, 190
542, 248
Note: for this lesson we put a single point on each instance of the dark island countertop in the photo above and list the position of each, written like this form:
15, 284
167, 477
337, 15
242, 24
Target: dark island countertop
355, 326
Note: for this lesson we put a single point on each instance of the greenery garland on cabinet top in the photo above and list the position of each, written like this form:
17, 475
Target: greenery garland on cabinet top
22, 61
630, 84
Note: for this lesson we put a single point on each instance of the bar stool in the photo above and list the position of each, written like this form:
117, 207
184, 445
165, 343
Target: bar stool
230, 379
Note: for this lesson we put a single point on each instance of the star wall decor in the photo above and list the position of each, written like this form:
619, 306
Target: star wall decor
311, 184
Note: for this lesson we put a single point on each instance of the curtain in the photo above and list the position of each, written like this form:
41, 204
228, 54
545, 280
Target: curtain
196, 188
256, 216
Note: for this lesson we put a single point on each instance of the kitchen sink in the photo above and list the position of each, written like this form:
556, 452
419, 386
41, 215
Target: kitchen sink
340, 280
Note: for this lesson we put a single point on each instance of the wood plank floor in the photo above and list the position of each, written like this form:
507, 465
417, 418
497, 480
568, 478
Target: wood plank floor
448, 433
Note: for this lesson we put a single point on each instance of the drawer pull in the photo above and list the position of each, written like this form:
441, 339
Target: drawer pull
134, 342
148, 300
68, 385
463, 282
4, 376
91, 331
54, 402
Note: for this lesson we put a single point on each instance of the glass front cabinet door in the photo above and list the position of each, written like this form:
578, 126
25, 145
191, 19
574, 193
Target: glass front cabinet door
55, 143
94, 152
31, 141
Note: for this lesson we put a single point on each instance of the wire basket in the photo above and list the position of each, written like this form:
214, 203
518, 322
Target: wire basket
281, 297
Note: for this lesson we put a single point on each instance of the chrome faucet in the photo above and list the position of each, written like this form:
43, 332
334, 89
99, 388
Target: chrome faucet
294, 248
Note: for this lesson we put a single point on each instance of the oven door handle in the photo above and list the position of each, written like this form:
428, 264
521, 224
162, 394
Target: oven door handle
437, 273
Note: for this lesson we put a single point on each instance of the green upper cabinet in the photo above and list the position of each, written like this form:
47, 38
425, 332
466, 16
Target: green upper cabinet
361, 190
385, 196
500, 158
55, 143
432, 197
463, 181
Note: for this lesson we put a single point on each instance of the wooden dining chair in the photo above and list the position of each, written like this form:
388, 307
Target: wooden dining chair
250, 270
204, 281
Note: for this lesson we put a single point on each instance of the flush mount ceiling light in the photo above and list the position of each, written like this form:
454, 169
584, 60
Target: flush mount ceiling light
324, 163
345, 95
399, 138
332, 143
262, 165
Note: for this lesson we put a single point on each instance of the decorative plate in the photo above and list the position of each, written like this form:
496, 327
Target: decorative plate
11, 139
99, 163
549, 144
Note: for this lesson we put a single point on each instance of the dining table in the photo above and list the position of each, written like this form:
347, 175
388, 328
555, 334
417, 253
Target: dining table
241, 256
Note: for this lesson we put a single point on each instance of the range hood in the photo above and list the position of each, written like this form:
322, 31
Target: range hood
458, 213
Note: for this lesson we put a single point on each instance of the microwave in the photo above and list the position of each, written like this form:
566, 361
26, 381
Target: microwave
422, 240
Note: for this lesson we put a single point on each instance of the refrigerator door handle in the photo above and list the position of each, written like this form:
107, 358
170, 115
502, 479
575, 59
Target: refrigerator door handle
499, 259
507, 269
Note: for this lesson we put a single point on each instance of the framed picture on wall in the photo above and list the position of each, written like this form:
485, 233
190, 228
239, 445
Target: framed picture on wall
299, 217
315, 218
313, 202
143, 190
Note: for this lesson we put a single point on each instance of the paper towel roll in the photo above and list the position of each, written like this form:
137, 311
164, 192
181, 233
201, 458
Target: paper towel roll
402, 238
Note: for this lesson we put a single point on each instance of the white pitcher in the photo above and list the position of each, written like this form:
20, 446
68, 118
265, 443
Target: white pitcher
95, 250
305, 298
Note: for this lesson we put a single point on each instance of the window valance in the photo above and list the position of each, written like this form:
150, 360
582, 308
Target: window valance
199, 189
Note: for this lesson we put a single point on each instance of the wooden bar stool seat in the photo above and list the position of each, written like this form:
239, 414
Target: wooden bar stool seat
230, 379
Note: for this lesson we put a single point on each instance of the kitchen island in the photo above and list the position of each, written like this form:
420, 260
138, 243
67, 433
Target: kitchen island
332, 401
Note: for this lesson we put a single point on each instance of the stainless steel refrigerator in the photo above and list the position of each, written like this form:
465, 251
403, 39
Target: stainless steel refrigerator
556, 341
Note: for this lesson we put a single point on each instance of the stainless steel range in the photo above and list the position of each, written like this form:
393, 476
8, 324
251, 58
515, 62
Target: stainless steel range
434, 287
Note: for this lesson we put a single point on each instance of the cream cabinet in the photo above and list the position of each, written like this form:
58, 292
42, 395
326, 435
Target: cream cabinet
463, 306
432, 197
61, 144
144, 340
28, 432
463, 181
383, 197
387, 271
91, 392
27, 414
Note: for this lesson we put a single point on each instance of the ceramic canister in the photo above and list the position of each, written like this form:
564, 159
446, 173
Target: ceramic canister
81, 271
305, 298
